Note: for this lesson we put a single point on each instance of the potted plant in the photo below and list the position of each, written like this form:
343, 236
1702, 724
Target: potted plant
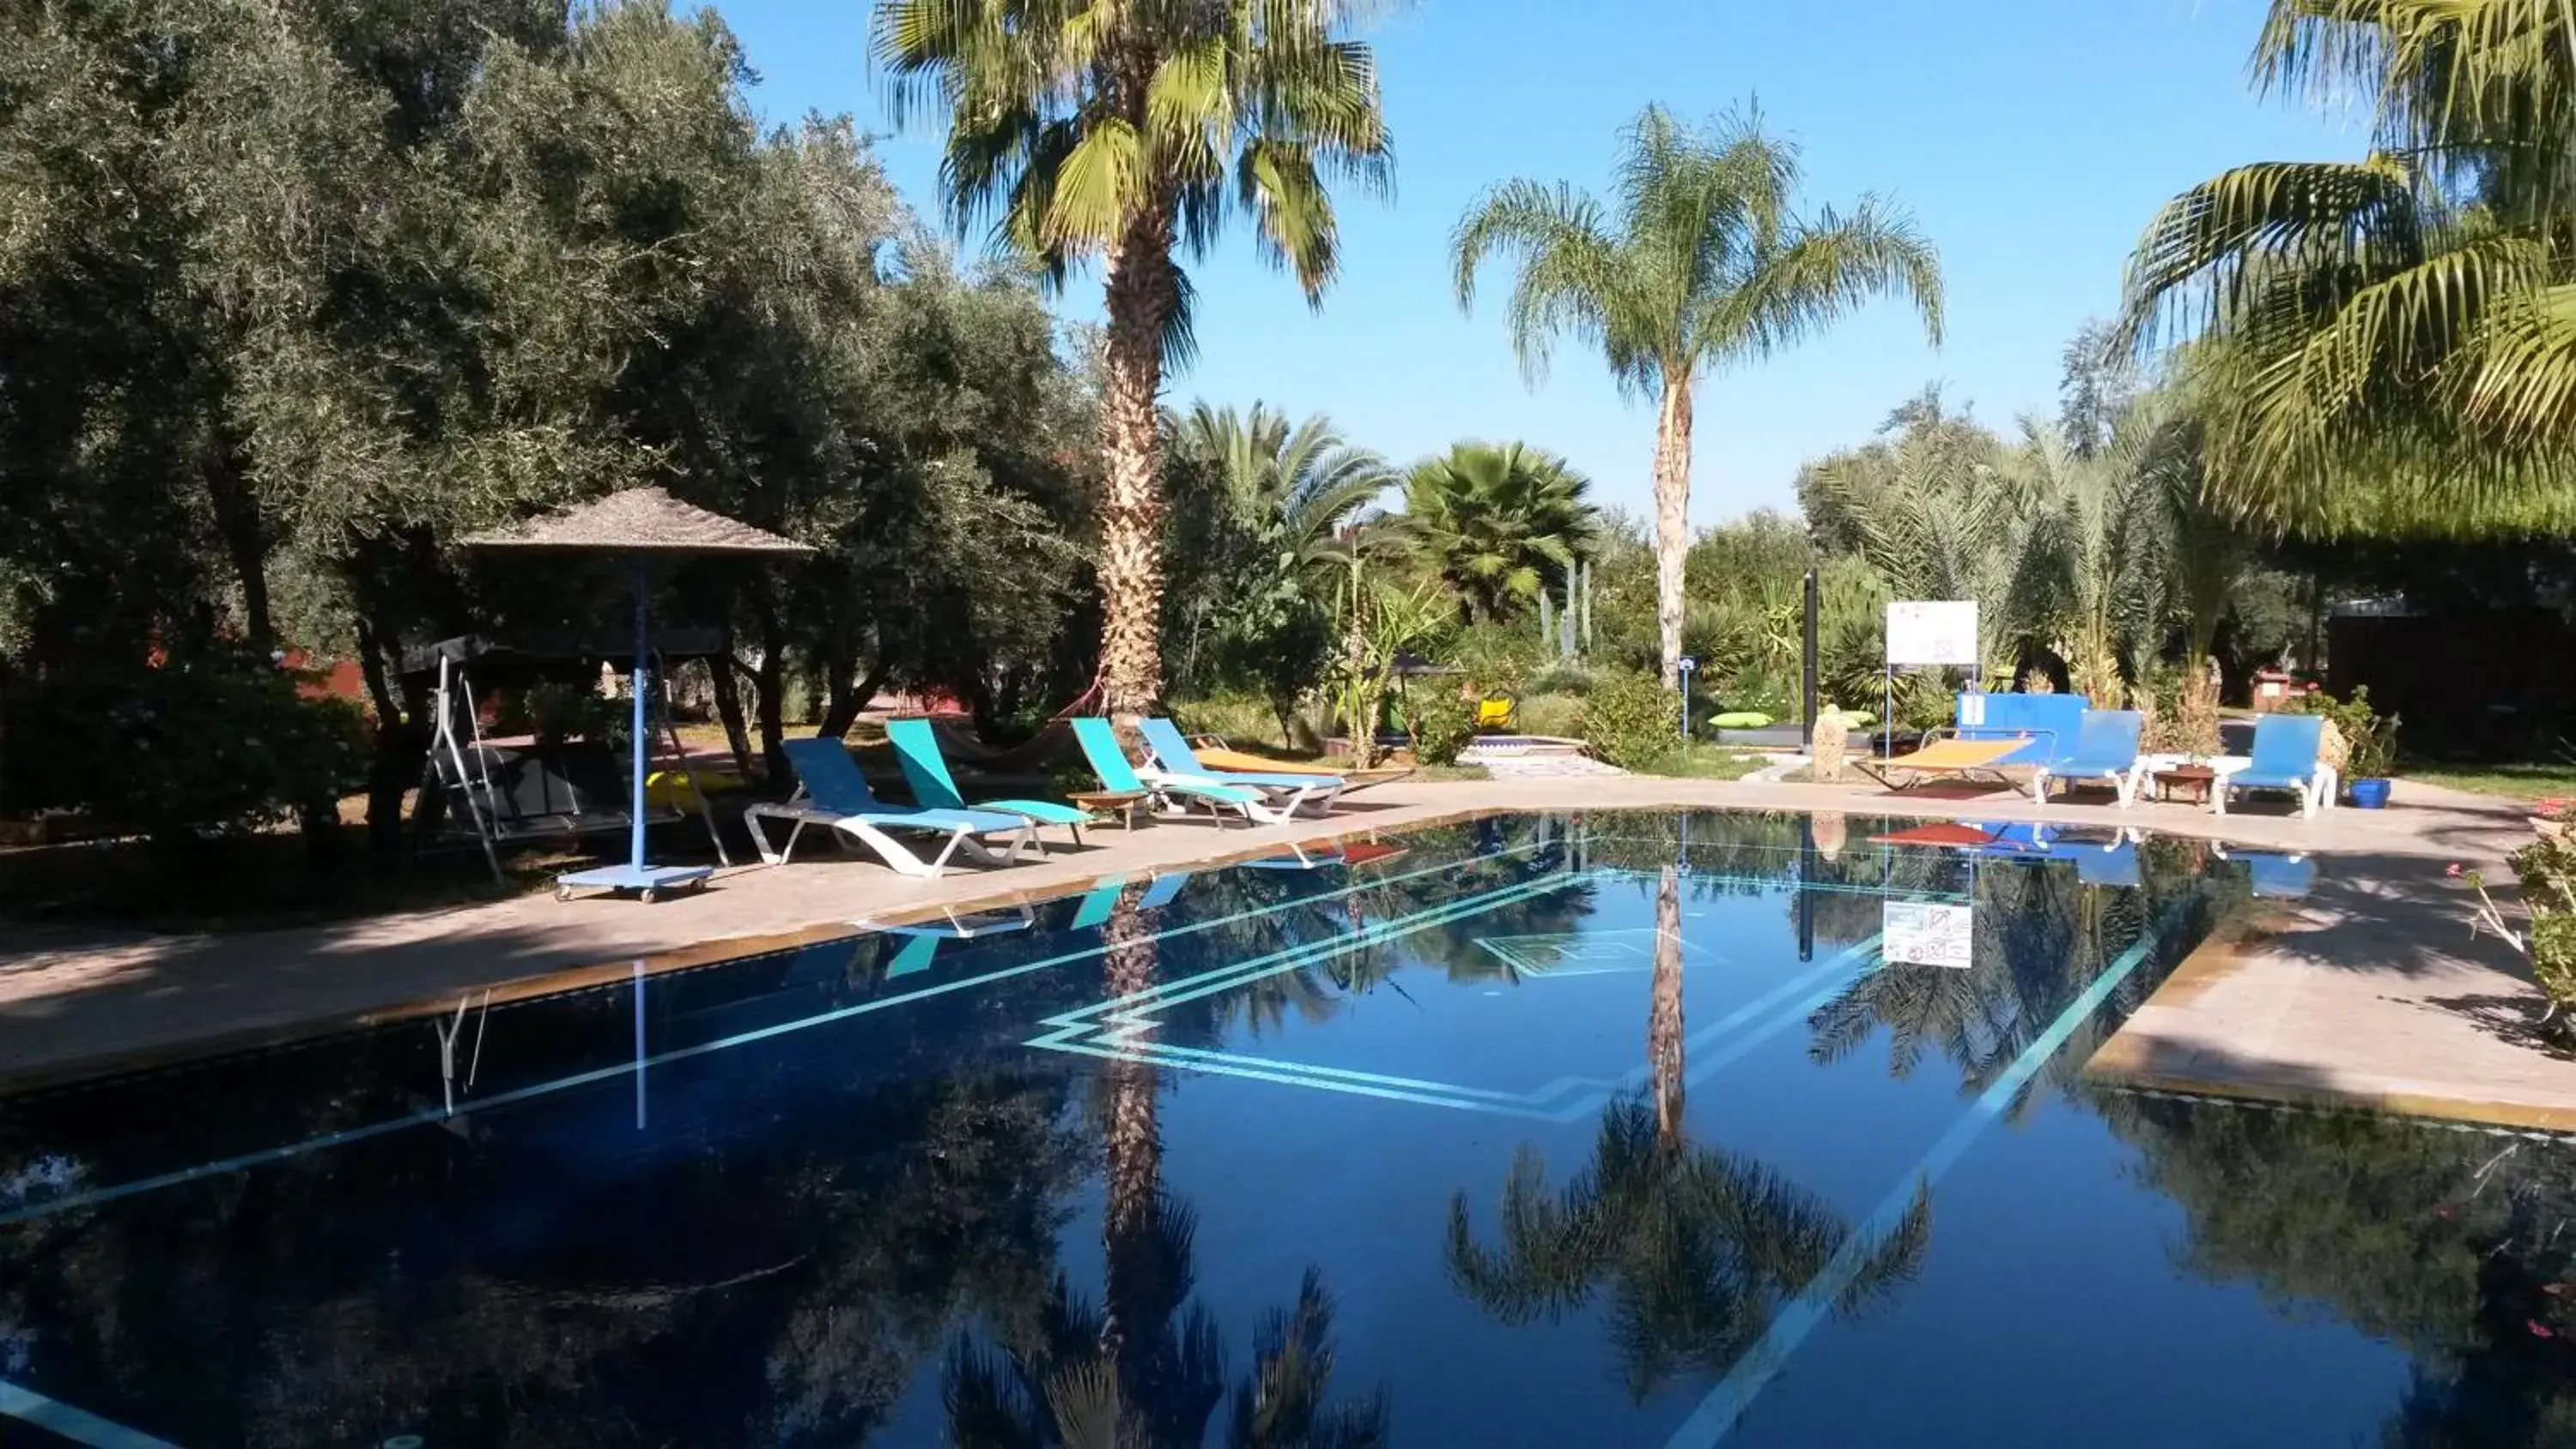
2374, 751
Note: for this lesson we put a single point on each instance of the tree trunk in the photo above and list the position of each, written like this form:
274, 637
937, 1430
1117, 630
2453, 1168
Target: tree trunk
401, 749
1672, 518
245, 542
847, 697
728, 692
1664, 1019
769, 690
1132, 1151
1140, 298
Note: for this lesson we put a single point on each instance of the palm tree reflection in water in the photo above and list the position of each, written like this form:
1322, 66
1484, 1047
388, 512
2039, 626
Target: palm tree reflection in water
1146, 1368
1695, 1247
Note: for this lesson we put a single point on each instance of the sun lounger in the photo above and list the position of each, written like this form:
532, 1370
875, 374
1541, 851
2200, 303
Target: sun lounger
1995, 733
830, 791
916, 751
1214, 753
2284, 758
1941, 760
2103, 751
1287, 791
1100, 747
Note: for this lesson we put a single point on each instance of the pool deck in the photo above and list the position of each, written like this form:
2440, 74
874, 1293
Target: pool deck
2369, 991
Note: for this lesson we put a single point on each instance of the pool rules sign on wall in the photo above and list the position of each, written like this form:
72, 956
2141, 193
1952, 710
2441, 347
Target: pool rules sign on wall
1938, 631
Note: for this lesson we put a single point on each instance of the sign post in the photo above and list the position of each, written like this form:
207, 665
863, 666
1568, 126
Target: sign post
1923, 632
1688, 664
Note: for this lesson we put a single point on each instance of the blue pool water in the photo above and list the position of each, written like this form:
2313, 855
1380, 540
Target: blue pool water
1630, 1130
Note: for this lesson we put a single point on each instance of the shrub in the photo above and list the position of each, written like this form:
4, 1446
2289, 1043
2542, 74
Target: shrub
1630, 720
208, 743
1232, 716
1443, 723
2370, 739
1562, 679
2181, 710
2546, 870
1560, 715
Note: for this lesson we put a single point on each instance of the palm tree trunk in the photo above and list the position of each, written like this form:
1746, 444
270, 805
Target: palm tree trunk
1132, 1148
1672, 519
1140, 298
1664, 1020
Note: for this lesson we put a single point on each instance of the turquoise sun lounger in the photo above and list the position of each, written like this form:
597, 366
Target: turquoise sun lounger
1100, 748
830, 791
916, 751
1283, 794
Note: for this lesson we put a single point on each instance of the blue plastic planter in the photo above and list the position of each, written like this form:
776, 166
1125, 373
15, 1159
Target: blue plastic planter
2369, 794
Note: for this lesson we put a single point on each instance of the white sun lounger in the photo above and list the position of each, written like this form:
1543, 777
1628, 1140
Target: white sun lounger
831, 792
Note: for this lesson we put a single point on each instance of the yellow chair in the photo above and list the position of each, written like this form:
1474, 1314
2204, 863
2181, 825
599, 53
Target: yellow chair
1494, 714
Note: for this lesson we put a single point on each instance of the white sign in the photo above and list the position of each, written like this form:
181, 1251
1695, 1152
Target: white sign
1933, 632
1925, 933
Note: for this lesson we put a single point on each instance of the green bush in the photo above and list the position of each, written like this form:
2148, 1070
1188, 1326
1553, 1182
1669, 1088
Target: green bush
1560, 715
1239, 718
1562, 679
1443, 723
205, 744
2370, 738
1630, 720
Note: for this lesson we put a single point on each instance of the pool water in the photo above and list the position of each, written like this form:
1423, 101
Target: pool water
1627, 1130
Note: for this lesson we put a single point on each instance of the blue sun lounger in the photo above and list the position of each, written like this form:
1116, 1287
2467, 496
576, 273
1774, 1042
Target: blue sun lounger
830, 791
1283, 793
1100, 747
2104, 751
916, 751
2284, 758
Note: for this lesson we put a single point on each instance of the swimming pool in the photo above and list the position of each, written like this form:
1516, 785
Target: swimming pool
1632, 1129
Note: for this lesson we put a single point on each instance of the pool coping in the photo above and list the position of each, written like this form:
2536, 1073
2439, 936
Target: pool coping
567, 980
2245, 939
2425, 825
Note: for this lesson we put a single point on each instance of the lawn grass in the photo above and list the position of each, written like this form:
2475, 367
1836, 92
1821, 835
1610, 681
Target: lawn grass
2527, 780
1697, 761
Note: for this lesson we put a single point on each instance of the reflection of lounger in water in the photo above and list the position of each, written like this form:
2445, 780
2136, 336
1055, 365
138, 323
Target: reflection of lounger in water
2274, 875
926, 936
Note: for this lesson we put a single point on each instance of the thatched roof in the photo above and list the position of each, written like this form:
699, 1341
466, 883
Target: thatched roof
638, 520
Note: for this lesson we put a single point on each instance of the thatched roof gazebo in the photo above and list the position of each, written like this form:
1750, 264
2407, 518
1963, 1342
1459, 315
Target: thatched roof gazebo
642, 526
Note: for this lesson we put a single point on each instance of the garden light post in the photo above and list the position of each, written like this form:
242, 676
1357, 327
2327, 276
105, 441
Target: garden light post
1688, 664
1807, 673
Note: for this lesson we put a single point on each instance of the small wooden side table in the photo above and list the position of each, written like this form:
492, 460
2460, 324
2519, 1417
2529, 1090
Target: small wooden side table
2197, 779
1118, 804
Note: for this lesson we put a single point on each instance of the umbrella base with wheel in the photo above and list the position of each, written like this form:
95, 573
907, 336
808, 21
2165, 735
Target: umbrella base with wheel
652, 882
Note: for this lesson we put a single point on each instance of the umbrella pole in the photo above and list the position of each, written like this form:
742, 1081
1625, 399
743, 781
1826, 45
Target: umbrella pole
639, 742
650, 881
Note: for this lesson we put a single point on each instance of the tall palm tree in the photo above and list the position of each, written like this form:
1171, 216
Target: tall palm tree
2389, 345
1698, 1248
1705, 264
1126, 132
1499, 522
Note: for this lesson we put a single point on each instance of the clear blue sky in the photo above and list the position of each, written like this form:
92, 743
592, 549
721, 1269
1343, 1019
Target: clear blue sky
2032, 139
